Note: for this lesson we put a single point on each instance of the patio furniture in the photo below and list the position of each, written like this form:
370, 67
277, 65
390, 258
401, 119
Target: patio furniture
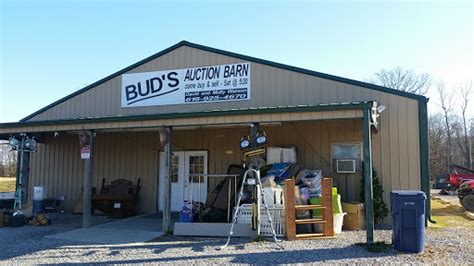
117, 200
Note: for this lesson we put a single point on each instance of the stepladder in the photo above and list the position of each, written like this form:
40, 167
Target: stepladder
258, 184
291, 208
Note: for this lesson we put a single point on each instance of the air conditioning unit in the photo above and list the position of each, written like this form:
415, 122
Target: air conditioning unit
345, 166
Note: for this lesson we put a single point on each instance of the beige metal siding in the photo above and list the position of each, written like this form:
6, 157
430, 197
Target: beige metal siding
271, 86
395, 147
395, 151
57, 164
132, 155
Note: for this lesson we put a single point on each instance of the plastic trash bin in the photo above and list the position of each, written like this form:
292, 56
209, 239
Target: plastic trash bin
408, 220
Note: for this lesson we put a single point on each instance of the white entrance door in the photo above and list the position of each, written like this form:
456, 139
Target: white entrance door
183, 186
195, 186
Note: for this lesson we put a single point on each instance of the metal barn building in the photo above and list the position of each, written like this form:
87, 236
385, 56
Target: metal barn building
207, 97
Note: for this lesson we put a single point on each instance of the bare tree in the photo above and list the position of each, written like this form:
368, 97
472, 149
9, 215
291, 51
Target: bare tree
446, 103
403, 80
437, 141
466, 147
8, 160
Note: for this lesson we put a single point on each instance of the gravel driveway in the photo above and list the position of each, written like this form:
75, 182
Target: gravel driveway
453, 199
27, 245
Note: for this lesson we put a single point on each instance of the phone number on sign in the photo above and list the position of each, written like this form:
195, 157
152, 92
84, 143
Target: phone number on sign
239, 96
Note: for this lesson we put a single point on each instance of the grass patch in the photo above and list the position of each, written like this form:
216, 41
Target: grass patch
7, 184
448, 215
259, 239
377, 247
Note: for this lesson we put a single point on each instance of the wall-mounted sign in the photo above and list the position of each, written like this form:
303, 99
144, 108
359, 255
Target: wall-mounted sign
189, 85
86, 152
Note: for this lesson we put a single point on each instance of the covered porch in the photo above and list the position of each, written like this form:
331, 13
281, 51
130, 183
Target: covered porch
130, 148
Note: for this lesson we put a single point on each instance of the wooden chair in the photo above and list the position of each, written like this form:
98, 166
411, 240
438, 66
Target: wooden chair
118, 199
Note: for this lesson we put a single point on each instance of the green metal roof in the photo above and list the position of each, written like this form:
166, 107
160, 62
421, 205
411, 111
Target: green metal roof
240, 56
221, 112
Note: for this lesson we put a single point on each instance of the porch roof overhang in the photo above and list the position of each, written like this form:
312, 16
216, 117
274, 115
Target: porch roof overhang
343, 110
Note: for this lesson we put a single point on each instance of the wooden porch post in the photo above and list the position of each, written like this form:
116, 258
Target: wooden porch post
87, 203
167, 183
369, 208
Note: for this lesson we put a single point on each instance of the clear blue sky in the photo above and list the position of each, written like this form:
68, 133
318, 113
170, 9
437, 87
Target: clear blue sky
50, 49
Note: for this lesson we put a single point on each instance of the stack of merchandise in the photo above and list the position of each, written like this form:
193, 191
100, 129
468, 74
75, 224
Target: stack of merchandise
309, 188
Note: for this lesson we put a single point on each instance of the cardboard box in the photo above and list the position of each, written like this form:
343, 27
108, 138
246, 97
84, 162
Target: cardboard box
355, 218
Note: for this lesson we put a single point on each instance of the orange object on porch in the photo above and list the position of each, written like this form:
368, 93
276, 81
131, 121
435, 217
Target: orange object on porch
326, 206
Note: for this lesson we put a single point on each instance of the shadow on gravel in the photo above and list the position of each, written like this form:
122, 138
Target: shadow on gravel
28, 239
266, 257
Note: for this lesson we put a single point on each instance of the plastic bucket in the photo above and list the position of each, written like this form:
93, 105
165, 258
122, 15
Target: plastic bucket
338, 220
186, 216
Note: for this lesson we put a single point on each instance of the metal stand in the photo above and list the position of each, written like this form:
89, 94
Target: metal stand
27, 144
236, 211
19, 189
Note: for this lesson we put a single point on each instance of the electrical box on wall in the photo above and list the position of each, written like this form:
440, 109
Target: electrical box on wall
345, 166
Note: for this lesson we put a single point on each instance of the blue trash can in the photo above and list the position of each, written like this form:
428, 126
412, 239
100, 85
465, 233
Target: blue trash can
408, 220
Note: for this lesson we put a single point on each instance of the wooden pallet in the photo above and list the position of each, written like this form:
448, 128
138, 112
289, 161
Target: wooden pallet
326, 207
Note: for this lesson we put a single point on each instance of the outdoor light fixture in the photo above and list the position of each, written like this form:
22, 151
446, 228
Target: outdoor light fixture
13, 142
30, 144
261, 138
244, 142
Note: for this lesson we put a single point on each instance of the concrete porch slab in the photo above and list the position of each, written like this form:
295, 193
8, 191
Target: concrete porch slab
131, 230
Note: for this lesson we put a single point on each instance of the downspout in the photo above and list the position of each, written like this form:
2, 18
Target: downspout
424, 155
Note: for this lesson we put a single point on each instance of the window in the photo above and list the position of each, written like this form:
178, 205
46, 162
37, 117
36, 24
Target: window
346, 151
196, 166
175, 169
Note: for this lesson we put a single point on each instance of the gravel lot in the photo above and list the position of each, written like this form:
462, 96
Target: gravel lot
453, 199
27, 245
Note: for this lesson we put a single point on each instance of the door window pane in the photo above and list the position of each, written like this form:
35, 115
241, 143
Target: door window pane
175, 167
196, 166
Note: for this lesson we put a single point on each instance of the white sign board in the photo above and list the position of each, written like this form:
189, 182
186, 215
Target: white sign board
189, 85
85, 152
